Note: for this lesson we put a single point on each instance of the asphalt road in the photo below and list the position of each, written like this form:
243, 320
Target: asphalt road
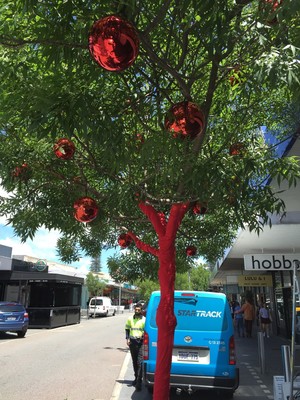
77, 362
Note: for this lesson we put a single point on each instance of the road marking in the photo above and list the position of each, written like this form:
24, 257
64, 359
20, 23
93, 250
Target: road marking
118, 384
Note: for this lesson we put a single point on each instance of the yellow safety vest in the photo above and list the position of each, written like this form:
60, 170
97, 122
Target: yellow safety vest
136, 327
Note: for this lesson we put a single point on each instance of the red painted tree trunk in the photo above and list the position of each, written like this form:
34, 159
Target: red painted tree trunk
166, 321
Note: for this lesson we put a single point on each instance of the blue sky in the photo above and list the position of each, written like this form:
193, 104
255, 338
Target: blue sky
43, 246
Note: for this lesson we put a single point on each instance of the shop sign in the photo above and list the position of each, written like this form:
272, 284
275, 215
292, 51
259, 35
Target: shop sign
255, 280
271, 262
41, 266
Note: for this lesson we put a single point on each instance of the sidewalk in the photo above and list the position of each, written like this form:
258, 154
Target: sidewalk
254, 384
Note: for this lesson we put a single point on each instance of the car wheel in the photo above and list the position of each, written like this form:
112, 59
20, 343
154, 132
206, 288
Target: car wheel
21, 334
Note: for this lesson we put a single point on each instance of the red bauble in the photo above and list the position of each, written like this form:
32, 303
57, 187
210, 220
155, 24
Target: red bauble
191, 251
200, 209
124, 240
22, 172
236, 149
64, 148
271, 6
86, 209
113, 43
185, 119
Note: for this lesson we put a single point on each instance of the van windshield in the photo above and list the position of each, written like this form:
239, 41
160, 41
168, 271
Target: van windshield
196, 313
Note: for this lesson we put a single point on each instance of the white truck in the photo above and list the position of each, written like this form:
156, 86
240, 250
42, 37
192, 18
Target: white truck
101, 306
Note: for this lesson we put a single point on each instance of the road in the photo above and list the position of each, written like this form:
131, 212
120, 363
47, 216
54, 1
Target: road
77, 362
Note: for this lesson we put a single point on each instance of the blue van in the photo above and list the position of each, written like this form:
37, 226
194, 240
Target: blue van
204, 350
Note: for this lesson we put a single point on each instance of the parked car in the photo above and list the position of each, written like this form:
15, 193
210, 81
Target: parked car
13, 318
101, 306
203, 354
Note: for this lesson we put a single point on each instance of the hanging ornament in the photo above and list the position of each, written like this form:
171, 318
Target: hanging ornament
191, 251
185, 119
86, 209
64, 148
113, 43
236, 149
22, 172
124, 240
200, 208
270, 7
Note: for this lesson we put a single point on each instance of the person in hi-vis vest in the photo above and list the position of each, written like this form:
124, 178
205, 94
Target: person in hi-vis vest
134, 329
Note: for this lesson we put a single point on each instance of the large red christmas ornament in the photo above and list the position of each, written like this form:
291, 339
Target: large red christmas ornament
22, 172
200, 208
185, 119
113, 43
86, 209
191, 251
124, 240
64, 148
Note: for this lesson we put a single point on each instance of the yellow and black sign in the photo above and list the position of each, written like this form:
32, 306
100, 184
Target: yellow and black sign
255, 280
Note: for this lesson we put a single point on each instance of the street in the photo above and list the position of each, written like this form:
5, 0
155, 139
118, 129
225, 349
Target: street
84, 362
76, 362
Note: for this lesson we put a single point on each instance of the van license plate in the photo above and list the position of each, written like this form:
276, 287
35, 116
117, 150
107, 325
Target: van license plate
187, 356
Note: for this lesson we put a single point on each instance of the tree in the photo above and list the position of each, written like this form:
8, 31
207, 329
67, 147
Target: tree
146, 287
199, 278
94, 284
96, 264
238, 61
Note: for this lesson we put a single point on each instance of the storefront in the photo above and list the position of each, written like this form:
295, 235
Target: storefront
51, 300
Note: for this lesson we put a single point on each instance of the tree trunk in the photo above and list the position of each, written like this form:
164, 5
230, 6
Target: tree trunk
165, 319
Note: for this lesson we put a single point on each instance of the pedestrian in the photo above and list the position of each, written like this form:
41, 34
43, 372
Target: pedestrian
265, 319
249, 316
134, 329
239, 320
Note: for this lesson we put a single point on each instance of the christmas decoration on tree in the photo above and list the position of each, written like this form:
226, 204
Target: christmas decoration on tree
236, 149
124, 240
185, 119
64, 148
113, 43
191, 251
22, 172
270, 7
86, 209
200, 208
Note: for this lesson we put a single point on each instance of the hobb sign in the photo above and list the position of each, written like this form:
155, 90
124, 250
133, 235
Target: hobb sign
271, 262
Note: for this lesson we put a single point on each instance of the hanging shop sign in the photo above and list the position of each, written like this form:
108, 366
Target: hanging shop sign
255, 280
271, 262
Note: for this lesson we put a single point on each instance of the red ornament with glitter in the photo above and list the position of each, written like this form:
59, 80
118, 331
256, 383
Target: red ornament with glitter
113, 43
124, 240
86, 209
64, 148
185, 119
191, 251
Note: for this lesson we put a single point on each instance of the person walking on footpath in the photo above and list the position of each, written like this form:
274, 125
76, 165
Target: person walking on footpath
265, 319
249, 316
134, 329
239, 320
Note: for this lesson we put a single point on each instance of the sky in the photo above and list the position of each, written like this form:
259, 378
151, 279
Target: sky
43, 246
